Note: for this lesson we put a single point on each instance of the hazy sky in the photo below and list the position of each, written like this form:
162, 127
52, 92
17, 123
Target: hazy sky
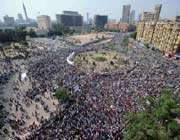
113, 8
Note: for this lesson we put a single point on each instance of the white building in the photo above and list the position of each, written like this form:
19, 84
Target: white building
153, 15
44, 23
9, 21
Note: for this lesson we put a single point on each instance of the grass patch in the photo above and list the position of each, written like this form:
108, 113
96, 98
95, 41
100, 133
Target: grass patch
99, 57
61, 94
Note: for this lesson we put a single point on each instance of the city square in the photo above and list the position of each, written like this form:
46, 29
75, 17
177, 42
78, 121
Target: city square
72, 78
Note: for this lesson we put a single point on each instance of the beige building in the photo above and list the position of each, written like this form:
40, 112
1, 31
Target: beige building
152, 16
157, 11
44, 23
147, 16
164, 35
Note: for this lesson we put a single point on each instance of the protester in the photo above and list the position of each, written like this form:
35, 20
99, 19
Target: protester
97, 101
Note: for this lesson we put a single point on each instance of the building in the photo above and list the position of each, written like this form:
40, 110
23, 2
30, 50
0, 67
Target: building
20, 19
177, 18
44, 23
152, 16
126, 13
111, 20
164, 35
9, 21
91, 21
139, 17
100, 21
1, 23
70, 19
157, 11
123, 27
87, 18
132, 17
74, 13
147, 16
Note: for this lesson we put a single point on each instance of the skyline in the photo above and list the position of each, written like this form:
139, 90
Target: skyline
111, 8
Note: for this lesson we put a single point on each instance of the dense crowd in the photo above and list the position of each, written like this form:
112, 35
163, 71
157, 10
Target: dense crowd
97, 108
98, 101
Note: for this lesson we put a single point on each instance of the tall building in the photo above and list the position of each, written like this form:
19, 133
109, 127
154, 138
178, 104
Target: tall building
139, 17
126, 13
100, 21
1, 23
44, 23
177, 18
25, 13
152, 16
132, 17
20, 19
87, 18
70, 19
9, 21
157, 11
147, 16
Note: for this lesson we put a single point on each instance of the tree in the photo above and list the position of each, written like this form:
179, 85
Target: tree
10, 35
157, 121
15, 35
133, 35
58, 29
32, 33
20, 34
3, 36
62, 95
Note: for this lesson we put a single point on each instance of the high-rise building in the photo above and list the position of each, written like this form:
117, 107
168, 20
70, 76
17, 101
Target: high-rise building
139, 17
87, 18
126, 13
44, 23
20, 19
25, 13
147, 16
100, 21
70, 19
177, 18
72, 13
9, 21
157, 11
152, 16
1, 23
132, 17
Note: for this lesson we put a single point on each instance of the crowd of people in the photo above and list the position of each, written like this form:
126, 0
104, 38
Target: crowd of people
98, 102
